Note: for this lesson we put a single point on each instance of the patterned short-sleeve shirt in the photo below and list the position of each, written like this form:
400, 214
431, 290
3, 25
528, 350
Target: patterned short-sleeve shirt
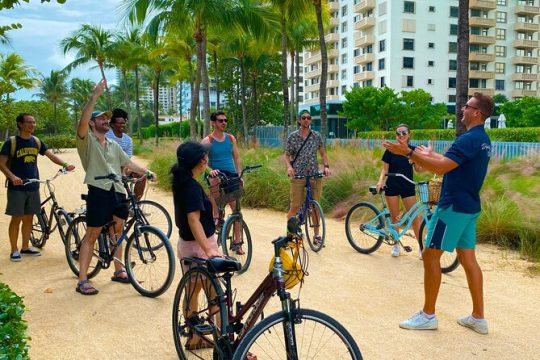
306, 161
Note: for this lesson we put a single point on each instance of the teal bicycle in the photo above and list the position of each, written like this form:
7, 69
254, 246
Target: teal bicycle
367, 227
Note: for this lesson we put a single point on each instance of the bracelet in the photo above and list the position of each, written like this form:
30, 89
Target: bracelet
65, 164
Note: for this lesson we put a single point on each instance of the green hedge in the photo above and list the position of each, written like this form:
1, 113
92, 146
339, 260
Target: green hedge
175, 129
13, 337
508, 134
64, 141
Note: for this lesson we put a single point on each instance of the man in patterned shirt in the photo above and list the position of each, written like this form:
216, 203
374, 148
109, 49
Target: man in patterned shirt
301, 160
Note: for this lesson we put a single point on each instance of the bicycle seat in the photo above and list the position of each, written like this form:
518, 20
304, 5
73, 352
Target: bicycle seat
220, 265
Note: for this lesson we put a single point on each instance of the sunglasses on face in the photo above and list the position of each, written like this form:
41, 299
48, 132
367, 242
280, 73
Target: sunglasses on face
306, 118
466, 106
221, 121
402, 133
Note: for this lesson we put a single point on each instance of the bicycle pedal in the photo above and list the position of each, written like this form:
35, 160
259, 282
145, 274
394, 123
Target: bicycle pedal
407, 248
204, 329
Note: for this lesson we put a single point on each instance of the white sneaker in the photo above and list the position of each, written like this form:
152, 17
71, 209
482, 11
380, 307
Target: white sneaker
395, 250
419, 321
478, 325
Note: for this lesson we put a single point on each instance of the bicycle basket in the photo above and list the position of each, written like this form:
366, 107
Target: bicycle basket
430, 191
295, 261
229, 190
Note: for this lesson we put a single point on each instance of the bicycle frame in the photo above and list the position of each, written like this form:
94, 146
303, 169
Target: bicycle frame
305, 205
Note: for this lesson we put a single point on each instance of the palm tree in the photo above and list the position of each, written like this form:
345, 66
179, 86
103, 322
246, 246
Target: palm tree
92, 44
78, 96
324, 66
54, 90
15, 75
462, 74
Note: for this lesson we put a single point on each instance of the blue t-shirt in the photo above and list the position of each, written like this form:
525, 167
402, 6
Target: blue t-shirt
24, 162
221, 155
461, 186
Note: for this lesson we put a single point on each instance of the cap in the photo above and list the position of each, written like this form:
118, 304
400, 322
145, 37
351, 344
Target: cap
95, 114
190, 153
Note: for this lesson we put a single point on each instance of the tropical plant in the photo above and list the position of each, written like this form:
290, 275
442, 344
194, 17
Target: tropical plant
15, 75
54, 90
462, 73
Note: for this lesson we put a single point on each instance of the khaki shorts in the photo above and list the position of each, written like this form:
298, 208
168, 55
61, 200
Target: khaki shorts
298, 191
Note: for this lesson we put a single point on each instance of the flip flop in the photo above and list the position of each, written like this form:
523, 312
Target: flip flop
85, 288
123, 280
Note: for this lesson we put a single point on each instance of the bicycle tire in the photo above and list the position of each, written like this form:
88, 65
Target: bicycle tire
359, 237
39, 234
315, 207
74, 235
267, 338
228, 244
156, 215
63, 220
203, 324
151, 271
449, 260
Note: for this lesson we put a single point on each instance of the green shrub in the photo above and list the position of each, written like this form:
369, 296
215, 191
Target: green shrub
174, 129
64, 141
13, 337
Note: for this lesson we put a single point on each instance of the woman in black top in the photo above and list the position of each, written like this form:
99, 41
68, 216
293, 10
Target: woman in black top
396, 186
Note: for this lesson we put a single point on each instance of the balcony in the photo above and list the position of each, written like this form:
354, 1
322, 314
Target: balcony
331, 38
481, 57
483, 4
334, 21
529, 44
332, 83
332, 97
364, 58
479, 74
333, 5
315, 57
311, 88
363, 76
333, 68
312, 74
524, 77
484, 91
363, 6
365, 23
527, 10
529, 60
519, 26
364, 41
332, 53
482, 22
480, 39
522, 93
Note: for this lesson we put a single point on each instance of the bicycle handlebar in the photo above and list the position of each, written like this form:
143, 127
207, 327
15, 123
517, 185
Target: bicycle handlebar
62, 171
122, 178
402, 176
246, 170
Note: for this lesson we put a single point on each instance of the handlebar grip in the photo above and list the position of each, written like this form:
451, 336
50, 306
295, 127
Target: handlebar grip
390, 174
106, 177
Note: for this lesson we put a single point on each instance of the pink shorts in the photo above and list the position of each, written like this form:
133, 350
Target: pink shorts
193, 249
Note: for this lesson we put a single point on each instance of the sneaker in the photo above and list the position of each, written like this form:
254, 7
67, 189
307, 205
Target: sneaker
419, 321
395, 250
420, 256
317, 240
478, 325
30, 252
15, 256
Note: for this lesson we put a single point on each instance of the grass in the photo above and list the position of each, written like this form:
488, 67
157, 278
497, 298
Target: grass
510, 193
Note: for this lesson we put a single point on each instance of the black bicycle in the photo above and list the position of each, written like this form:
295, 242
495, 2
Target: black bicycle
43, 225
148, 257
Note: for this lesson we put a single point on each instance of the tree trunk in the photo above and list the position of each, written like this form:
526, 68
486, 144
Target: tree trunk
324, 68
156, 106
297, 82
255, 106
284, 82
216, 78
462, 74
196, 89
205, 89
192, 122
243, 98
126, 101
107, 92
55, 122
138, 105
292, 83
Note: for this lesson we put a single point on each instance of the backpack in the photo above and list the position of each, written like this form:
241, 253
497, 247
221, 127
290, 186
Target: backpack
13, 143
211, 138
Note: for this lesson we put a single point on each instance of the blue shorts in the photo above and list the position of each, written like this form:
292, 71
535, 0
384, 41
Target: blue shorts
448, 230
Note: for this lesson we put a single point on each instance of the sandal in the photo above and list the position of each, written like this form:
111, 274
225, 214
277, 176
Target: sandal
237, 248
120, 279
85, 288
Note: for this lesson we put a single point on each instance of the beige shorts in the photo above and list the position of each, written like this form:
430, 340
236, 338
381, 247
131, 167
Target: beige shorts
193, 249
298, 191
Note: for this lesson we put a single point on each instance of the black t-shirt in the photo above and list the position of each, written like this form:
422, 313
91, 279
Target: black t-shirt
24, 162
399, 164
189, 197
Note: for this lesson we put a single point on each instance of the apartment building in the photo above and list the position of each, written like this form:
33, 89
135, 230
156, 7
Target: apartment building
406, 44
167, 96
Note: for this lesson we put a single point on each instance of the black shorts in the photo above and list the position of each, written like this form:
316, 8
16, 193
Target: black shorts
399, 191
101, 205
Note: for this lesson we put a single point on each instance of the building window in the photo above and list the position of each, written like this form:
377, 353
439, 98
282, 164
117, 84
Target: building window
383, 83
431, 63
453, 29
408, 7
454, 11
368, 67
408, 44
500, 34
430, 81
381, 64
431, 45
344, 10
452, 47
452, 98
410, 81
382, 45
502, 2
501, 17
343, 43
408, 63
344, 58
500, 68
500, 50
452, 83
452, 65
343, 74
343, 89
431, 9
356, 69
356, 52
499, 84
344, 27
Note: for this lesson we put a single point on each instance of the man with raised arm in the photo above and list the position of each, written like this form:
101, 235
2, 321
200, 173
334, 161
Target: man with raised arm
101, 156
453, 225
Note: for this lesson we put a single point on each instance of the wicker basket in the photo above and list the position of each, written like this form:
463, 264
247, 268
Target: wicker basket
429, 192
229, 190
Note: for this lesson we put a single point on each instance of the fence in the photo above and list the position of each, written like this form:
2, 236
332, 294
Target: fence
272, 136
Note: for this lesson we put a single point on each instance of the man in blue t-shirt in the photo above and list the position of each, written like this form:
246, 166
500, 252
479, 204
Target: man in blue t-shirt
453, 225
19, 163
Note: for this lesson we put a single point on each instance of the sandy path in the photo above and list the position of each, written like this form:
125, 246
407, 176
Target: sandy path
371, 295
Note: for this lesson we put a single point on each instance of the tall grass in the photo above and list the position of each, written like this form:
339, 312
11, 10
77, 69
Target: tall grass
509, 196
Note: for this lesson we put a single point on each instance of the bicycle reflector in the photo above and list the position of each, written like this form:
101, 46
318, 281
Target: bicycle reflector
292, 268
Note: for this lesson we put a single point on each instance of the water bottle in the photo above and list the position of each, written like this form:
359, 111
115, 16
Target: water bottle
103, 247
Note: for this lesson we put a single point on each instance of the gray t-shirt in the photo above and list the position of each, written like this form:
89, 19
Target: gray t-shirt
306, 158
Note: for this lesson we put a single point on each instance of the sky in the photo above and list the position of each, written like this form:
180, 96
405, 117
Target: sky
45, 25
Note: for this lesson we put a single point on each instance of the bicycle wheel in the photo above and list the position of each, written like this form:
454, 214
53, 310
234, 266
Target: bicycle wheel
449, 260
315, 223
63, 219
239, 248
149, 260
360, 224
196, 316
315, 336
156, 215
39, 234
74, 236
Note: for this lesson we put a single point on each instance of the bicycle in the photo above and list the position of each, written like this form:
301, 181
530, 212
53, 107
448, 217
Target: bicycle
311, 215
148, 257
233, 233
203, 313
42, 226
367, 227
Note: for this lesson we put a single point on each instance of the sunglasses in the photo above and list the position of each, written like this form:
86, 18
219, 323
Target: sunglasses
221, 121
466, 106
306, 117
402, 133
